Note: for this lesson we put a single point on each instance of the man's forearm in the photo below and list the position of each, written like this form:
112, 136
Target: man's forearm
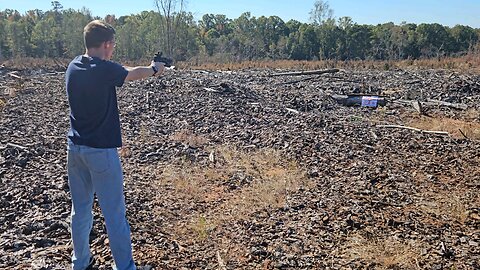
138, 73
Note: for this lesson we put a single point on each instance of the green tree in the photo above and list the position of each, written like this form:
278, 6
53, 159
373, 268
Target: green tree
58, 33
410, 45
72, 31
358, 41
328, 34
382, 46
276, 30
3, 37
44, 36
309, 42
128, 39
187, 37
17, 38
464, 37
434, 40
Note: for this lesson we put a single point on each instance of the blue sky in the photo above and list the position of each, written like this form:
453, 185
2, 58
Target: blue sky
446, 12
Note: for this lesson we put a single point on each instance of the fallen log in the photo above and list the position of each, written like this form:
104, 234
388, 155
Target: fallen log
295, 81
444, 133
432, 102
458, 106
308, 72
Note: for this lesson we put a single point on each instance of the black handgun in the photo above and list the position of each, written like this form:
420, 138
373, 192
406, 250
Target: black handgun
166, 61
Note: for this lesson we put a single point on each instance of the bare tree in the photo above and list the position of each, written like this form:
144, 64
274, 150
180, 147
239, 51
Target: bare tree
321, 12
170, 14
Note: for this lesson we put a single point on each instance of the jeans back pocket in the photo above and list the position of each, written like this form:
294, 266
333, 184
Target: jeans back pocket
98, 160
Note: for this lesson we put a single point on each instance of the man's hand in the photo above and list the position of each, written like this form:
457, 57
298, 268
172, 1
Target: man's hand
167, 62
158, 68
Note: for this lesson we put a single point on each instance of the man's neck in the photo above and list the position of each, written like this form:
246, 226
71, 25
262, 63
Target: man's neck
95, 53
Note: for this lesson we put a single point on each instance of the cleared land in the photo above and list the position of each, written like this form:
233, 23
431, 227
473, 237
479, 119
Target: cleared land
238, 170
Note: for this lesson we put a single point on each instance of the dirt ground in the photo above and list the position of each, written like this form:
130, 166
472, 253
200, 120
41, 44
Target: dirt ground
240, 170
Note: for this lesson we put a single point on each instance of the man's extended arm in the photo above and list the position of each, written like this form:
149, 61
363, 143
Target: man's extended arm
141, 72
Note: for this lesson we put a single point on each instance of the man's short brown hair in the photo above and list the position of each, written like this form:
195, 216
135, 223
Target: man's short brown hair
96, 32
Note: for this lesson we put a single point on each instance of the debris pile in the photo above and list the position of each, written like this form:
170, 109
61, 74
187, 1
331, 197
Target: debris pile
201, 149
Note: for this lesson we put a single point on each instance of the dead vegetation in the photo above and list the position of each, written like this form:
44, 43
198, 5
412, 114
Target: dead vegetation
238, 183
469, 128
465, 63
446, 206
383, 253
187, 137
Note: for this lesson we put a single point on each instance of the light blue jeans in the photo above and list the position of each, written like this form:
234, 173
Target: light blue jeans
94, 170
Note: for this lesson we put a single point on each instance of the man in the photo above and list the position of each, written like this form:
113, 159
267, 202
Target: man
93, 162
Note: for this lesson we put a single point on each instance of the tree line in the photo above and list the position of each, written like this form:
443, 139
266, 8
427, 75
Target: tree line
58, 33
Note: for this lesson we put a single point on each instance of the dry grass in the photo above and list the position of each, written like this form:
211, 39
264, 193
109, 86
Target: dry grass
265, 193
264, 178
125, 152
14, 88
470, 63
273, 178
29, 63
144, 133
453, 126
188, 181
383, 253
187, 137
265, 64
472, 114
443, 206
237, 186
262, 181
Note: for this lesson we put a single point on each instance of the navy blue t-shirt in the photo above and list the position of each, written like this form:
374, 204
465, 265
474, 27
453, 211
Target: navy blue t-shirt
94, 119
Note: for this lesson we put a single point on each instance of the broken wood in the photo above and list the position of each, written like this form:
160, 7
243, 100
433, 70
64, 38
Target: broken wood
221, 263
417, 106
211, 90
296, 81
458, 106
309, 72
12, 74
330, 79
211, 157
293, 110
444, 133
463, 134
17, 146
432, 102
